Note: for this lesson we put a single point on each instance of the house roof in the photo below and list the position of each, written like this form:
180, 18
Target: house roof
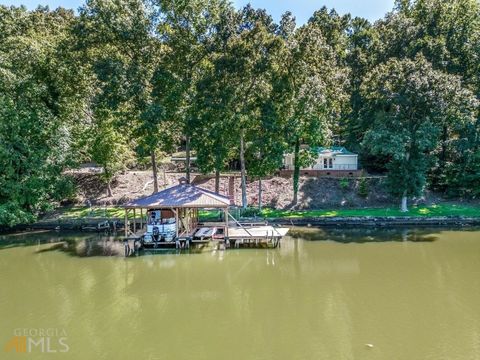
181, 196
334, 150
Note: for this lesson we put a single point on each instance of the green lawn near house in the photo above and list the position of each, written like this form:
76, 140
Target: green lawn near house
416, 211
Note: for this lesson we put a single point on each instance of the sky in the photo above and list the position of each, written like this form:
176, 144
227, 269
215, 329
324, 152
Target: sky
301, 9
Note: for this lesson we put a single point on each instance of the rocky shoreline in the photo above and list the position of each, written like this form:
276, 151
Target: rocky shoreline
387, 221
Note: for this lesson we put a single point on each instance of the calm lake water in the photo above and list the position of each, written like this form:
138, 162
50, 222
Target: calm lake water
325, 294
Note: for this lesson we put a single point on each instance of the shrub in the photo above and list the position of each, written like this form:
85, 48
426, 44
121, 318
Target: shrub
251, 212
344, 184
363, 188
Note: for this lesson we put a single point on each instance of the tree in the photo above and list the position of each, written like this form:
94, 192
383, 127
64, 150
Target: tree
238, 84
314, 84
409, 102
266, 150
187, 30
447, 34
119, 44
39, 107
109, 148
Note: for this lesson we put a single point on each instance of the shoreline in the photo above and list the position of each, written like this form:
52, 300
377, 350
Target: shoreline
380, 221
91, 225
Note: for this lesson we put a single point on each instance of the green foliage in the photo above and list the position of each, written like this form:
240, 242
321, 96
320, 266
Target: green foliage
39, 103
12, 214
363, 189
109, 148
415, 211
409, 103
344, 184
251, 212
138, 78
312, 85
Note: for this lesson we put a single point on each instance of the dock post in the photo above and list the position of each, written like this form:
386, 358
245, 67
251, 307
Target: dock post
134, 221
126, 223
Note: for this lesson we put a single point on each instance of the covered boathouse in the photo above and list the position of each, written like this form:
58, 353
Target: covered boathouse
173, 214
171, 218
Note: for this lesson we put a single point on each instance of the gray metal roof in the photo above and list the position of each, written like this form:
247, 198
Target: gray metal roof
181, 196
334, 150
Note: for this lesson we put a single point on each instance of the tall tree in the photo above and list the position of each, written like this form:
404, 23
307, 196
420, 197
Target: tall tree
409, 102
187, 31
239, 83
314, 92
119, 42
447, 34
40, 103
109, 148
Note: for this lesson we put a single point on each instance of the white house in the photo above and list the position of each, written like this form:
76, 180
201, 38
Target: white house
332, 158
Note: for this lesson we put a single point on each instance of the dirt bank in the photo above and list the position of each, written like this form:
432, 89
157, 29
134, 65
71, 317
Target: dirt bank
314, 193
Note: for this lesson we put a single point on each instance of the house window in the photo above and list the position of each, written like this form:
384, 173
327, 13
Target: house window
330, 163
325, 165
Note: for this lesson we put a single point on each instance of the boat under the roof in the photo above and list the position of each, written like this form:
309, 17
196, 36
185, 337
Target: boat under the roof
171, 218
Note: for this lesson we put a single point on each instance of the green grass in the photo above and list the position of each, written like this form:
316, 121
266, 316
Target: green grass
70, 213
80, 212
209, 215
419, 211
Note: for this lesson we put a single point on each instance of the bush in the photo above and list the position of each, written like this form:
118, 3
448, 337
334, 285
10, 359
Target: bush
12, 214
344, 184
65, 189
251, 212
363, 188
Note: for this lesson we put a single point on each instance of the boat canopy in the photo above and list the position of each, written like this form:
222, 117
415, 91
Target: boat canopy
180, 196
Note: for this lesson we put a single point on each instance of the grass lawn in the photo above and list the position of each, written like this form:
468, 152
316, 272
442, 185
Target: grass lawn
71, 213
80, 212
420, 211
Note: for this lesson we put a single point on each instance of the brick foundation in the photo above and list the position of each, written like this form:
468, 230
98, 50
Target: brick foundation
324, 173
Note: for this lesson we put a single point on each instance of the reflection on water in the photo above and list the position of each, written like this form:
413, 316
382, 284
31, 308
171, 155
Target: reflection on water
364, 235
412, 294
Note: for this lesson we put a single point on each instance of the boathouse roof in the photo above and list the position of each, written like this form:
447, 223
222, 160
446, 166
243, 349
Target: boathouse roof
181, 196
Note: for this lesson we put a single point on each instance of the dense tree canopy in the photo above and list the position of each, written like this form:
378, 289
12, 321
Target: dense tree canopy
127, 80
410, 103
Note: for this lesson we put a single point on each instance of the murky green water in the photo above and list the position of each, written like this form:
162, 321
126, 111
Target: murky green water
411, 294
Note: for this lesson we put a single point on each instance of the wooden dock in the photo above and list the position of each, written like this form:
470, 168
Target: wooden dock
252, 236
256, 236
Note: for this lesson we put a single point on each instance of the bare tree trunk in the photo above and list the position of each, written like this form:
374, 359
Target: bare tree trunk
154, 169
109, 188
296, 171
217, 181
187, 159
260, 194
243, 172
403, 206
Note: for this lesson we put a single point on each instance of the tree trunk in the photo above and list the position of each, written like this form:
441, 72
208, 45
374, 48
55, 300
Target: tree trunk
242, 168
154, 169
260, 194
217, 181
404, 207
187, 159
296, 171
109, 188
